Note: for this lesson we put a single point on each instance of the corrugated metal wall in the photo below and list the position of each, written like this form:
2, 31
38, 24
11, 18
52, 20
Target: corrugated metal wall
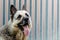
45, 17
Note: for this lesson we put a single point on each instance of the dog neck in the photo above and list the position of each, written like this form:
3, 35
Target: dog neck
10, 28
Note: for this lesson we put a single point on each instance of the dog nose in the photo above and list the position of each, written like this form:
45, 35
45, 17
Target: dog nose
26, 19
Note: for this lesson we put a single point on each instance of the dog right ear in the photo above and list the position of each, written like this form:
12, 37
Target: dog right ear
12, 11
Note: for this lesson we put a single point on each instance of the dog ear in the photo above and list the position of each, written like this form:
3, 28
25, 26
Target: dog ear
12, 11
24, 7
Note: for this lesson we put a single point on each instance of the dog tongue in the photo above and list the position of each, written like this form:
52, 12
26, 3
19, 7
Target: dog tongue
26, 30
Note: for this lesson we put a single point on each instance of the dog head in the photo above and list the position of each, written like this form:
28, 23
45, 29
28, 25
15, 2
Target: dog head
19, 20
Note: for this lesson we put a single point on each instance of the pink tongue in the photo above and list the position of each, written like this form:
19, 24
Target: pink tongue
26, 30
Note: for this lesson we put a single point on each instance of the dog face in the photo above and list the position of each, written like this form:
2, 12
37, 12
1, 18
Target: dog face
19, 20
22, 18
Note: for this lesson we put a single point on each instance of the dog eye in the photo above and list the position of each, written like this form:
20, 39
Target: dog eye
26, 14
19, 17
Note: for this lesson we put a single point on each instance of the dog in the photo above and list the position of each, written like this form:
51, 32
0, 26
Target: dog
19, 25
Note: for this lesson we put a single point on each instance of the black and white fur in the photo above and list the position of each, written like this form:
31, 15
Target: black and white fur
16, 18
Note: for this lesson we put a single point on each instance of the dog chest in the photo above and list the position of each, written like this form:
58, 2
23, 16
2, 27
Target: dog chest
5, 34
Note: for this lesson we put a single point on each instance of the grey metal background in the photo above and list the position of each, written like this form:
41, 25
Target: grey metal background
45, 16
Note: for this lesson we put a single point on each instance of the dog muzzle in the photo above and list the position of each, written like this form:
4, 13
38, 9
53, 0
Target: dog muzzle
24, 26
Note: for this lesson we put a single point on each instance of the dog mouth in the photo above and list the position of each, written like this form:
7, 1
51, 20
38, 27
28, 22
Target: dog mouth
24, 27
26, 30
21, 26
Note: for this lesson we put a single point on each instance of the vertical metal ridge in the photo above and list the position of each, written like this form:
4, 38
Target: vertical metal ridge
35, 19
52, 17
59, 22
25, 1
46, 19
40, 19
31, 16
57, 19
19, 4
3, 12
30, 7
8, 9
14, 2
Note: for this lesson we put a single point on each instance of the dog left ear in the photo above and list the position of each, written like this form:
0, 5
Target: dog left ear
24, 7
